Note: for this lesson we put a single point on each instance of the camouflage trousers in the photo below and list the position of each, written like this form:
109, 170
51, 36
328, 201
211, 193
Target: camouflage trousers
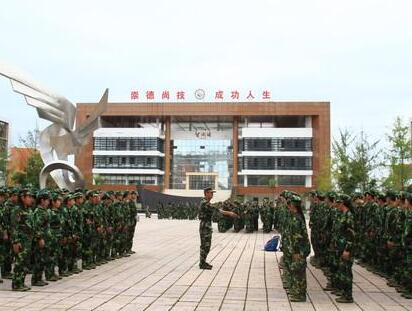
100, 250
314, 239
40, 257
297, 278
54, 249
130, 236
87, 246
267, 224
344, 277
22, 263
7, 258
249, 224
406, 274
2, 252
205, 231
74, 253
238, 224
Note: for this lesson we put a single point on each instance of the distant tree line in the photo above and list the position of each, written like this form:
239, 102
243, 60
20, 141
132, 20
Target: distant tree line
358, 164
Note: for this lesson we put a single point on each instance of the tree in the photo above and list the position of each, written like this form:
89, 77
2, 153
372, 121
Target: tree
30, 173
354, 162
364, 161
98, 180
31, 139
324, 180
341, 169
398, 157
33, 168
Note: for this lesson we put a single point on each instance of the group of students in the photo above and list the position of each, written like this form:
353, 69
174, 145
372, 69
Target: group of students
333, 237
378, 234
58, 233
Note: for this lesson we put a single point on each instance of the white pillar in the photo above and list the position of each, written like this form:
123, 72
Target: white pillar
308, 181
308, 121
244, 180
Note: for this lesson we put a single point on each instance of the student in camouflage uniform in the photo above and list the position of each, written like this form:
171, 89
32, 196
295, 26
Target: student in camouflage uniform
9, 205
317, 207
298, 248
100, 221
205, 226
225, 222
248, 217
132, 221
266, 215
344, 246
41, 235
107, 203
53, 243
76, 218
22, 235
238, 223
89, 233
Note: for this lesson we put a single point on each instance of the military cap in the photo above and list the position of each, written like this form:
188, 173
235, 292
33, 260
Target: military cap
295, 199
208, 189
391, 195
105, 196
3, 191
381, 195
338, 198
56, 196
331, 195
43, 194
77, 195
15, 191
356, 195
25, 192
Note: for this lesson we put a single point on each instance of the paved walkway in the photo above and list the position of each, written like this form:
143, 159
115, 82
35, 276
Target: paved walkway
163, 275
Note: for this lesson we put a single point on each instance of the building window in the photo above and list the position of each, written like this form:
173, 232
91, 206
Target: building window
275, 144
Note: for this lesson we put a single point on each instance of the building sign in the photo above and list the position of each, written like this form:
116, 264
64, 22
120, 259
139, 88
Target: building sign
199, 95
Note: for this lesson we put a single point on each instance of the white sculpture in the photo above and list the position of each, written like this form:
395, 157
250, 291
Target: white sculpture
60, 139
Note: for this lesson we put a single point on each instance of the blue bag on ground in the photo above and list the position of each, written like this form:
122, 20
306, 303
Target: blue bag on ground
272, 245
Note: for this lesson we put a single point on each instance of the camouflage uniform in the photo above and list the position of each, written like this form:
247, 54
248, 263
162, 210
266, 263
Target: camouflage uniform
8, 254
345, 242
88, 237
75, 248
205, 229
41, 233
22, 235
298, 249
54, 246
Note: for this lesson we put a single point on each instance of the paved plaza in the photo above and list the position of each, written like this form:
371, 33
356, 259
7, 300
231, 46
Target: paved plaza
164, 275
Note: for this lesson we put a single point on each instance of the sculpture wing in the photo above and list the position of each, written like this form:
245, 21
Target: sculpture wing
49, 106
93, 121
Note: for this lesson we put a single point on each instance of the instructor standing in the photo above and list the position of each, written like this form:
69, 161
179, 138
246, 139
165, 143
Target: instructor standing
205, 228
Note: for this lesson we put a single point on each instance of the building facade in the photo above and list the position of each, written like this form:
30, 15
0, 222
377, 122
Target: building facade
253, 149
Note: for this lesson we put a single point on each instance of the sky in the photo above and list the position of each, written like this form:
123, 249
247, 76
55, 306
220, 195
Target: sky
355, 54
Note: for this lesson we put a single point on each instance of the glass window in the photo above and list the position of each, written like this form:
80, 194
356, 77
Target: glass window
201, 147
